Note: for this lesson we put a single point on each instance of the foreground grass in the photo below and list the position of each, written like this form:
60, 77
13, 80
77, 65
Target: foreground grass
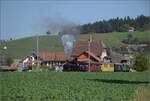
141, 94
70, 86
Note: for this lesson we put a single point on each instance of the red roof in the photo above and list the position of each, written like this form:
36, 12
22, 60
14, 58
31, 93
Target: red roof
94, 56
91, 55
96, 48
53, 56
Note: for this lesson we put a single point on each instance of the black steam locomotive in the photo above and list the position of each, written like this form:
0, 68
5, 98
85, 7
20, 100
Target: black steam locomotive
74, 66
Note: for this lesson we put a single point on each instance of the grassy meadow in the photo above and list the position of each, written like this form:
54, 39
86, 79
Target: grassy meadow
20, 48
71, 86
115, 38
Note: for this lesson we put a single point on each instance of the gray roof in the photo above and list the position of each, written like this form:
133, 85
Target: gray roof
116, 57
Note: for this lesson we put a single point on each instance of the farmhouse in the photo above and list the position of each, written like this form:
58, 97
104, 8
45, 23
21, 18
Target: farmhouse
91, 53
49, 59
52, 58
85, 49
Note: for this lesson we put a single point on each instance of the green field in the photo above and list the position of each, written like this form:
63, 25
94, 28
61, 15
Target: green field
22, 47
70, 86
115, 38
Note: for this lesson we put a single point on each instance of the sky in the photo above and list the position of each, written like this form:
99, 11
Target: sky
30, 17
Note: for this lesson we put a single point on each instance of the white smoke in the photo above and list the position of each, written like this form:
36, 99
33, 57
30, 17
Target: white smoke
68, 31
56, 24
68, 36
68, 42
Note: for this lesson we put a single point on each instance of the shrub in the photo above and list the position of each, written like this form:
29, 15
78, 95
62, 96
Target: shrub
141, 62
9, 61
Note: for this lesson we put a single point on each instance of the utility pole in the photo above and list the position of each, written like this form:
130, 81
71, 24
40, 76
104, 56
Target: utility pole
37, 49
89, 49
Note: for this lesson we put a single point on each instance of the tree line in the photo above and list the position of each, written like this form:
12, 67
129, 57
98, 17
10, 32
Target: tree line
140, 23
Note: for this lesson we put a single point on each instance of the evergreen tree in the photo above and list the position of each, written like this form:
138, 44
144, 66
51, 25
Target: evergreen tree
140, 23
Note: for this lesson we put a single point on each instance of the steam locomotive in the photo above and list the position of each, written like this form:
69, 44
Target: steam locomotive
74, 66
81, 66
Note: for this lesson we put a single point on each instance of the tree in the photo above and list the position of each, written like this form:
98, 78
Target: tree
9, 61
124, 28
140, 23
141, 62
48, 32
136, 41
129, 38
109, 51
11, 39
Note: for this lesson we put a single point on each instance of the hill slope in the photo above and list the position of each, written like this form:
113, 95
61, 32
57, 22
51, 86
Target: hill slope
115, 38
22, 47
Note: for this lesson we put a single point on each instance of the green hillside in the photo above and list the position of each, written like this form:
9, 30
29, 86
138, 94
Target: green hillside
114, 39
22, 47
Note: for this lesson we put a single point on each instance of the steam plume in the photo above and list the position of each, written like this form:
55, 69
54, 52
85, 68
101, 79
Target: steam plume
69, 35
67, 30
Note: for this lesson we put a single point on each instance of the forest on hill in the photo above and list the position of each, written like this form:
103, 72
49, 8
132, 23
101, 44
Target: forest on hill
140, 23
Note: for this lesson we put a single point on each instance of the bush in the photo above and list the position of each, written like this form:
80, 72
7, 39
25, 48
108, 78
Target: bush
141, 62
9, 61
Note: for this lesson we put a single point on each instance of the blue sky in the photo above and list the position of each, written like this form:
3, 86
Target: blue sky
26, 18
